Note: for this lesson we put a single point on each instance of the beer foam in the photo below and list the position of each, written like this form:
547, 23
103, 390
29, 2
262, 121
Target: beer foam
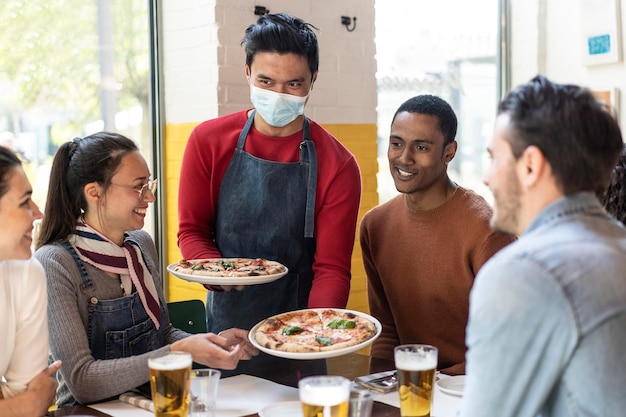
320, 395
408, 362
170, 362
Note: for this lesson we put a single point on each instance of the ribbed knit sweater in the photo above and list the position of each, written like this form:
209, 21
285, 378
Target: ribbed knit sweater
421, 266
82, 378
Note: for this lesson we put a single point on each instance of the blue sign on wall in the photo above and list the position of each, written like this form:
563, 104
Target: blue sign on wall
598, 45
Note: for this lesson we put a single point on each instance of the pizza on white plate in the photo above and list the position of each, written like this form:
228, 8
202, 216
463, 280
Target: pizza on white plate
229, 267
314, 330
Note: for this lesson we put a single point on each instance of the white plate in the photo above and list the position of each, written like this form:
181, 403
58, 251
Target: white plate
453, 385
258, 279
284, 409
318, 355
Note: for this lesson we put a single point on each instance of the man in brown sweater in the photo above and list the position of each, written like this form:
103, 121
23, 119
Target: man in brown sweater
423, 248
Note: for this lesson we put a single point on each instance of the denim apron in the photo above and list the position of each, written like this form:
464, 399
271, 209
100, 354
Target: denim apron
266, 210
118, 328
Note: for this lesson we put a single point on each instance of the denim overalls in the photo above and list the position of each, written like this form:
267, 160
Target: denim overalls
118, 328
266, 210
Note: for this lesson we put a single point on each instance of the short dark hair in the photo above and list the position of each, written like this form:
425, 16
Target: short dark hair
282, 33
575, 131
8, 162
614, 196
434, 106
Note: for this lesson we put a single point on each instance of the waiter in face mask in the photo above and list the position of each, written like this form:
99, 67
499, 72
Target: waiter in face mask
270, 183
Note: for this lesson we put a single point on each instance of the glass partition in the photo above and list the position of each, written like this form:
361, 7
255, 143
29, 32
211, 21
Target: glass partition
448, 48
70, 69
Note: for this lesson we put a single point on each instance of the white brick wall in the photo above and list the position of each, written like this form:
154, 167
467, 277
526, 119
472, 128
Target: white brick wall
204, 61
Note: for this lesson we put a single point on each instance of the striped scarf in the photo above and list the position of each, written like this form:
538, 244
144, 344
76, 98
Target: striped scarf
127, 261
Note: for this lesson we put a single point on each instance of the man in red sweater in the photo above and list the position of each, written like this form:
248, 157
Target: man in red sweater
271, 183
423, 248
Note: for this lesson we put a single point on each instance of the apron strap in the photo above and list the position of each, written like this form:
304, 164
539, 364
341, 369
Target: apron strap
245, 130
310, 157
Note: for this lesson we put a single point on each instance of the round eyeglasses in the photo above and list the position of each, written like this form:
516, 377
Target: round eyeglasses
149, 186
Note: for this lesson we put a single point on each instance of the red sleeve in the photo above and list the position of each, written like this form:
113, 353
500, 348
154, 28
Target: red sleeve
196, 206
335, 226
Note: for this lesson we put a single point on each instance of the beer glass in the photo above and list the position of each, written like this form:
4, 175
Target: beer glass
324, 396
169, 383
415, 366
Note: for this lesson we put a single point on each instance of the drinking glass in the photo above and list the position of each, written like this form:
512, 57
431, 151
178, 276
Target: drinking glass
203, 393
361, 402
324, 396
416, 366
169, 383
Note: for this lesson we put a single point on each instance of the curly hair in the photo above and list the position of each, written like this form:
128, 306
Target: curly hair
614, 196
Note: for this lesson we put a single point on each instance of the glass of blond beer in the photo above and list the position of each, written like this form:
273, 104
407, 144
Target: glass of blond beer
415, 366
169, 383
324, 396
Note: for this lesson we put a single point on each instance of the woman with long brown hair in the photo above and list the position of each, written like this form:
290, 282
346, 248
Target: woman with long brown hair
107, 311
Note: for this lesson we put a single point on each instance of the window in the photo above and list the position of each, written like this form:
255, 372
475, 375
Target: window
447, 48
70, 69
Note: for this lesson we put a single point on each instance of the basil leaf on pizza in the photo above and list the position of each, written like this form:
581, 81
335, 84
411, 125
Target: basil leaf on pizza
324, 340
290, 330
342, 324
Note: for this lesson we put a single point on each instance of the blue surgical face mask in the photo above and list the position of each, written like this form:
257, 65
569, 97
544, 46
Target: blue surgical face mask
275, 108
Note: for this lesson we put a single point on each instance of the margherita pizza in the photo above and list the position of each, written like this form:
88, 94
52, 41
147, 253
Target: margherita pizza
321, 330
229, 267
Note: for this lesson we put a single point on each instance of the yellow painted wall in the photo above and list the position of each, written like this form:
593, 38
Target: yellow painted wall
176, 136
360, 139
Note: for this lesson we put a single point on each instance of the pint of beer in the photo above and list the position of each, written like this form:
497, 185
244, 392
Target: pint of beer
324, 396
169, 383
416, 365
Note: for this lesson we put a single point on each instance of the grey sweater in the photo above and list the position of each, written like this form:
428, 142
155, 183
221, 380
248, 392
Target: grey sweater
81, 377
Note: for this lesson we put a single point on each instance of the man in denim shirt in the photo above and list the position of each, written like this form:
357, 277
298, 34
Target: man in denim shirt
547, 328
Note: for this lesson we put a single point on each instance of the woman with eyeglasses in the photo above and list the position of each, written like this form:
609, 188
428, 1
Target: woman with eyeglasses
107, 313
